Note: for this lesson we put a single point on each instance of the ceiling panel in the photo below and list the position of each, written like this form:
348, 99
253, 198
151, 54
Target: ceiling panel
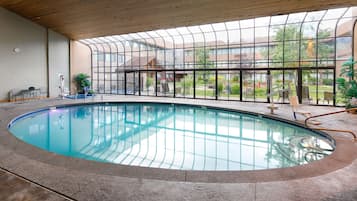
80, 19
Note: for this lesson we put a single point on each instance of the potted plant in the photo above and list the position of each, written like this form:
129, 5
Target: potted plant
83, 83
348, 87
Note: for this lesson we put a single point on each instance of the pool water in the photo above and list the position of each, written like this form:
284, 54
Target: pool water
170, 136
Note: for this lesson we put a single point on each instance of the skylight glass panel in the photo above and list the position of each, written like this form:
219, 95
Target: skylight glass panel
143, 35
262, 21
194, 29
222, 36
351, 12
198, 38
345, 27
219, 26
96, 40
241, 31
280, 19
153, 34
296, 17
188, 39
104, 39
315, 16
117, 38
135, 36
206, 28
178, 39
232, 25
334, 13
85, 41
172, 32
126, 37
183, 30
210, 37
162, 33
327, 28
247, 23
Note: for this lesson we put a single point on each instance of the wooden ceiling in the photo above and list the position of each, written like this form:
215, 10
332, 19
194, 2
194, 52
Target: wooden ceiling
79, 19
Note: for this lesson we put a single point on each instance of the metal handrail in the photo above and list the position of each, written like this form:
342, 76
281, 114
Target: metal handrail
333, 130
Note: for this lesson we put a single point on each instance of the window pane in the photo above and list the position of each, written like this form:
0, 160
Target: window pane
309, 30
247, 35
261, 88
261, 52
205, 84
291, 51
165, 83
345, 27
184, 84
291, 32
296, 17
261, 34
343, 48
325, 87
309, 86
248, 85
326, 49
148, 83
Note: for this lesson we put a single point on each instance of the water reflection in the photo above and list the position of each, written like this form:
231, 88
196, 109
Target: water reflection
171, 136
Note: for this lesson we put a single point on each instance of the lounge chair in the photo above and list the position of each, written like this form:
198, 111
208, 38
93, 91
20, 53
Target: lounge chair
328, 96
294, 102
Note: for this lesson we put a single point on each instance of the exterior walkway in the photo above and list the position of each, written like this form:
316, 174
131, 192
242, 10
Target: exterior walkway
88, 180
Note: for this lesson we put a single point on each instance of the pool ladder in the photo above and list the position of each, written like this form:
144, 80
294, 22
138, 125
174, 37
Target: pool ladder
333, 130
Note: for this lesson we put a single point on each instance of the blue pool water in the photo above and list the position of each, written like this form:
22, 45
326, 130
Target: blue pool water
170, 136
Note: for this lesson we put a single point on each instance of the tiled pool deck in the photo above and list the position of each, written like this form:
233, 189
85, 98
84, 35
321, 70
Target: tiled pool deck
333, 178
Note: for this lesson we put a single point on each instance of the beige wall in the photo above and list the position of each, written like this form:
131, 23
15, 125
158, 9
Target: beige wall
29, 66
355, 43
58, 62
80, 61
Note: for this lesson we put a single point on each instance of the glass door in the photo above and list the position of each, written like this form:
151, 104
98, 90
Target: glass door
132, 82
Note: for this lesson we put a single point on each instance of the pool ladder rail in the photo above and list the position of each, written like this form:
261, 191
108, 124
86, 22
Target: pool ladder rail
332, 130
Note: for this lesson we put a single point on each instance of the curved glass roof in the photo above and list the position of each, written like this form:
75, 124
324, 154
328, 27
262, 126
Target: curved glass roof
220, 32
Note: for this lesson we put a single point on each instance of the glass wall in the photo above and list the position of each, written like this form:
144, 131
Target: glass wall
263, 59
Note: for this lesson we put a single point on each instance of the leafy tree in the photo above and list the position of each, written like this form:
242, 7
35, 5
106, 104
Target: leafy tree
288, 51
290, 45
203, 62
325, 49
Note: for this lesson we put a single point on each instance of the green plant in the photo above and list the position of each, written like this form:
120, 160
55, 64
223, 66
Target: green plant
327, 81
203, 62
220, 87
235, 89
82, 82
149, 82
235, 78
220, 84
260, 92
348, 87
186, 84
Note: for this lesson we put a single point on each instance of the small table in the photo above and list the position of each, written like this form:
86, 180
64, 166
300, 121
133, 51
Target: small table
272, 107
